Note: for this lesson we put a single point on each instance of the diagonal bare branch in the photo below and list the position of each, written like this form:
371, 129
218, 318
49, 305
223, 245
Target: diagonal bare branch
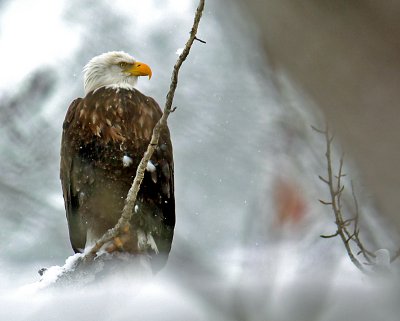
127, 211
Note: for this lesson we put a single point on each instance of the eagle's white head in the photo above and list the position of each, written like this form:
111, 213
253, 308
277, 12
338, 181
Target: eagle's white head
115, 68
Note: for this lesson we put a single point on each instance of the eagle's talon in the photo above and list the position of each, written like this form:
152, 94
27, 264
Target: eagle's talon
126, 228
118, 243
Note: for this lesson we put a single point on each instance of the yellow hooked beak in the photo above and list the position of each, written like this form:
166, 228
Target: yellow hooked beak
140, 69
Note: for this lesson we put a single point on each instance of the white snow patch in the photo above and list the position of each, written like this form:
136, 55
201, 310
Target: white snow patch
50, 275
150, 167
152, 243
127, 161
136, 208
179, 51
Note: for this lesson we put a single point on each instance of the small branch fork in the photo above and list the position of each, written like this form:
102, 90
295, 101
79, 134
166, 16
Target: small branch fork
347, 229
127, 211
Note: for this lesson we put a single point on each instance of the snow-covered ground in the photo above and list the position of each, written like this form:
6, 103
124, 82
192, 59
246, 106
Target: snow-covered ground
247, 243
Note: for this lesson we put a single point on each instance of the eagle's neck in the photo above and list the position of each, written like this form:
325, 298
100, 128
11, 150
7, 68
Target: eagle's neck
107, 76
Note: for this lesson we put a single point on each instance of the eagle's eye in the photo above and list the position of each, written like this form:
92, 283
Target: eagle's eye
123, 64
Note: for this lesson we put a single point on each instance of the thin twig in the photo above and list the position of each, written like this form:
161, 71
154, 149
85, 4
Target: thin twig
318, 130
329, 236
367, 254
323, 179
335, 202
202, 41
127, 211
325, 202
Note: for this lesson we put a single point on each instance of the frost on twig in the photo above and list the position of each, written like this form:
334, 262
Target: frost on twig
347, 228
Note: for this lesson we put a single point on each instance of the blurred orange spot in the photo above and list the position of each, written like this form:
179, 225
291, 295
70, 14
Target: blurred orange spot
289, 202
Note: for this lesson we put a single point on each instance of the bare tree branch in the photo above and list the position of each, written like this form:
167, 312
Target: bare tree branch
367, 254
335, 189
347, 228
127, 211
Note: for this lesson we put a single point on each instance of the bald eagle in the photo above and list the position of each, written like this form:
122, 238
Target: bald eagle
105, 135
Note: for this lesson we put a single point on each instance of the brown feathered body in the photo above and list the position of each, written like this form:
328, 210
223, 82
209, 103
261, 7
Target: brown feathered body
105, 135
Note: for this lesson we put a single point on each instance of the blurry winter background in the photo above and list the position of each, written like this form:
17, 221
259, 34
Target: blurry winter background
247, 243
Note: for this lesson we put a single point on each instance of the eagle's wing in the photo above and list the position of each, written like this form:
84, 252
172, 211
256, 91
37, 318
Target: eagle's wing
71, 201
160, 181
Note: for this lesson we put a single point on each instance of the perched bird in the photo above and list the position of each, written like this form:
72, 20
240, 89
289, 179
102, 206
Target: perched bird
105, 135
